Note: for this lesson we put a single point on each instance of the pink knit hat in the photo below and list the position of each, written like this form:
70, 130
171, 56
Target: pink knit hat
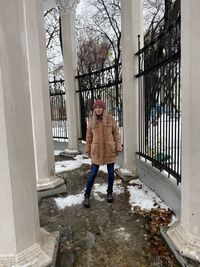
99, 103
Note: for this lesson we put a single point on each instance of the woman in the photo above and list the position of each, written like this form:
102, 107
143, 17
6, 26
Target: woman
102, 146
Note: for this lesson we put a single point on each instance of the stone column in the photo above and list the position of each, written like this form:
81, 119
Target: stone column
20, 236
67, 9
40, 100
186, 233
131, 18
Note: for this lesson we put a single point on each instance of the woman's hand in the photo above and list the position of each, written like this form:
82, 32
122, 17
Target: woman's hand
117, 153
88, 154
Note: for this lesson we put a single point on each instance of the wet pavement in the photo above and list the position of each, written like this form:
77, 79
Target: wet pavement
106, 234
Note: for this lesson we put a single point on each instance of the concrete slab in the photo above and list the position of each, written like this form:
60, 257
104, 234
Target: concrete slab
185, 262
52, 192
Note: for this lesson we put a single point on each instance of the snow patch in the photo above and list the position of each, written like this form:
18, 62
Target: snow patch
102, 188
145, 198
70, 151
124, 171
82, 159
173, 220
104, 168
62, 166
121, 234
67, 165
69, 201
97, 197
57, 152
78, 199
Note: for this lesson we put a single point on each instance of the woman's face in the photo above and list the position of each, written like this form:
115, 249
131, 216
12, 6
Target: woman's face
98, 110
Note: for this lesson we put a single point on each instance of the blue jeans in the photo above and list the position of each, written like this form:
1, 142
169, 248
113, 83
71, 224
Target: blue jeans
93, 174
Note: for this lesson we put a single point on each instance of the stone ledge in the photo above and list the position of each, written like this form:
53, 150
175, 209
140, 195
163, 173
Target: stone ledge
37, 255
49, 244
183, 244
49, 183
126, 177
176, 253
69, 153
52, 192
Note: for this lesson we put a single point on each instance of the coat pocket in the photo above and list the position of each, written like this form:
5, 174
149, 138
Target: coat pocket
108, 131
95, 151
110, 149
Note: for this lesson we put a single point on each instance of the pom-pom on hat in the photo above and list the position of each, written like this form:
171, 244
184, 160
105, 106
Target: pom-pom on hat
99, 103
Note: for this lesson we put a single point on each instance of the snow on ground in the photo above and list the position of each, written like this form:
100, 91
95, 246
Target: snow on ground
67, 165
70, 151
61, 140
57, 152
101, 189
144, 197
121, 234
104, 168
173, 220
140, 195
69, 201
124, 171
82, 159
62, 166
98, 191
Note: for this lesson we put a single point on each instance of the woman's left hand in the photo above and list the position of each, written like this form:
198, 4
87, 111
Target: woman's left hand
117, 153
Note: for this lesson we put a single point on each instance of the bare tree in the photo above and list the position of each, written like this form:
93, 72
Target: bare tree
53, 44
153, 13
107, 23
158, 16
103, 23
92, 53
99, 33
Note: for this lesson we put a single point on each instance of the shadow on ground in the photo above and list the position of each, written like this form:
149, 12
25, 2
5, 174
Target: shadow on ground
105, 234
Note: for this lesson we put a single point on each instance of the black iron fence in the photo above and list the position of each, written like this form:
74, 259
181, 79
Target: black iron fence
105, 84
160, 101
58, 109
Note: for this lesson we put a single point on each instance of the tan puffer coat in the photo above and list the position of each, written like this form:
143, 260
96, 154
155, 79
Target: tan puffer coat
103, 140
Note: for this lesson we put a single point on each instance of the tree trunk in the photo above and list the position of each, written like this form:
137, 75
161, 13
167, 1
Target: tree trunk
168, 13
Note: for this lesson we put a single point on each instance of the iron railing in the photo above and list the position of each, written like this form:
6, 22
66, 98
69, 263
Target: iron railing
102, 84
58, 109
160, 101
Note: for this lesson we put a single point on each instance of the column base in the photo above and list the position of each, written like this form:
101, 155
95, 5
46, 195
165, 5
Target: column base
38, 255
186, 243
125, 176
69, 153
50, 187
49, 183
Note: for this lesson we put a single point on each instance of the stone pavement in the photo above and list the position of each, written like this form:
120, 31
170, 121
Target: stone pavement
110, 235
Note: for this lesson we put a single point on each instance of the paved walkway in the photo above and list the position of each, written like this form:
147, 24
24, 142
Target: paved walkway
109, 235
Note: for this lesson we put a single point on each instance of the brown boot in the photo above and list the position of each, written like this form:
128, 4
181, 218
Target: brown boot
87, 202
109, 198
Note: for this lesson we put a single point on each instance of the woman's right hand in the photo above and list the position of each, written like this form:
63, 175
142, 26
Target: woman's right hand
88, 154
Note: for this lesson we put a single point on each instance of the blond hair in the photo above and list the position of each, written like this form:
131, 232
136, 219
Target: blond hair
95, 120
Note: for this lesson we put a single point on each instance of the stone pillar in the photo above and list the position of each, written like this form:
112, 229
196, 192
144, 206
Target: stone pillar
40, 100
67, 9
20, 236
131, 18
186, 233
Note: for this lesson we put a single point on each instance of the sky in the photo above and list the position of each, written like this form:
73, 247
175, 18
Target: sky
82, 8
